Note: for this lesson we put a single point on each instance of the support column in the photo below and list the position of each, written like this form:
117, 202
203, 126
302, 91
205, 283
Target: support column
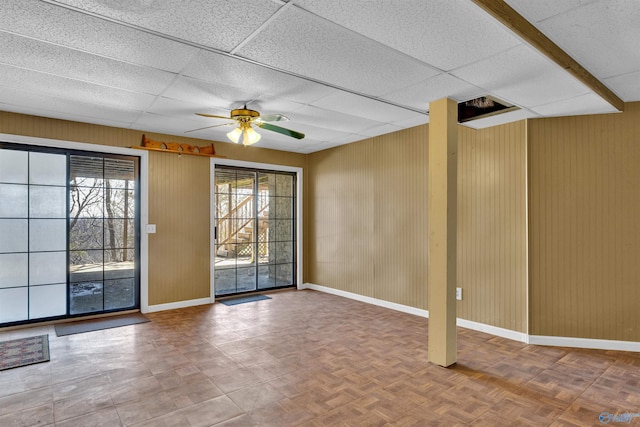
442, 227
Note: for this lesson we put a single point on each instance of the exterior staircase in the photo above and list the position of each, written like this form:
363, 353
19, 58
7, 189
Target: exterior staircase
236, 238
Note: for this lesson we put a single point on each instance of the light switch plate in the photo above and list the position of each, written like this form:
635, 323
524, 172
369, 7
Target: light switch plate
151, 228
459, 294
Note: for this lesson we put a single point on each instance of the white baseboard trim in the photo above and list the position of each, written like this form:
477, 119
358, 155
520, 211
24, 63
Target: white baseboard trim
368, 300
585, 343
492, 330
489, 329
178, 304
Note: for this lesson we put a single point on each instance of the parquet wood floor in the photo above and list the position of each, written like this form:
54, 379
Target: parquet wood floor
305, 358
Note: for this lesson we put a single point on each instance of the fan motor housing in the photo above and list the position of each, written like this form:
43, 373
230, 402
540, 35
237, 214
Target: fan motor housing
243, 113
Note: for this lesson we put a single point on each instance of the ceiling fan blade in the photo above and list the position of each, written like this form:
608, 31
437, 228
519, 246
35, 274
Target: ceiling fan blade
213, 116
209, 127
274, 118
274, 128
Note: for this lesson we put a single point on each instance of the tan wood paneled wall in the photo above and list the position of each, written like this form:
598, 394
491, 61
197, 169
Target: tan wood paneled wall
584, 236
178, 198
367, 217
492, 227
584, 179
368, 224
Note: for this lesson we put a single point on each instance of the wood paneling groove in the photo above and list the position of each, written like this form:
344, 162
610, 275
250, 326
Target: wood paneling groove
492, 259
367, 219
584, 232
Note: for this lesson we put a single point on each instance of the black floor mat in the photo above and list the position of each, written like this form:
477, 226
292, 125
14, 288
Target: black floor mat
99, 324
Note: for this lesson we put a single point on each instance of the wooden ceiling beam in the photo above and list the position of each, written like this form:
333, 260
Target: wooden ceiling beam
530, 34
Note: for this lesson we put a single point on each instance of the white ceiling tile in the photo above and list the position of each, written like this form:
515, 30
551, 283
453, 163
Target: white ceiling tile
208, 94
311, 132
272, 105
553, 85
289, 147
380, 130
346, 139
219, 24
186, 110
413, 122
34, 111
426, 30
211, 134
176, 125
307, 142
538, 10
276, 141
304, 44
216, 133
300, 150
330, 119
522, 76
604, 36
322, 146
72, 90
44, 21
234, 72
441, 86
272, 139
356, 105
499, 119
627, 86
48, 58
48, 106
312, 148
585, 104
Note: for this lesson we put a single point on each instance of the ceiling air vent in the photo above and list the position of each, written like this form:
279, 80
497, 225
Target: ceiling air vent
482, 107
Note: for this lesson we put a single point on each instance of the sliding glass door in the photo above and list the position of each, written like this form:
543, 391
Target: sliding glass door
102, 234
255, 230
69, 233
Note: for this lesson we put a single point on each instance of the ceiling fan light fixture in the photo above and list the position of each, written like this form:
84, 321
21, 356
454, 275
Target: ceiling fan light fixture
235, 135
245, 118
250, 136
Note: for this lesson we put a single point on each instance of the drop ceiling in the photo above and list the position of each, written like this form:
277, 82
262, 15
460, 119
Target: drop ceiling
342, 71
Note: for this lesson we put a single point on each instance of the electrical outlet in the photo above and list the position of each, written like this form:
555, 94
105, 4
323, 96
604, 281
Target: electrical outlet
151, 228
459, 294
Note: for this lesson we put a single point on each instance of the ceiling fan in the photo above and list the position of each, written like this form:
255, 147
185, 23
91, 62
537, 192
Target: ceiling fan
244, 118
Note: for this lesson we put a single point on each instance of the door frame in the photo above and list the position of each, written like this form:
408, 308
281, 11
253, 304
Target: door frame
144, 193
253, 165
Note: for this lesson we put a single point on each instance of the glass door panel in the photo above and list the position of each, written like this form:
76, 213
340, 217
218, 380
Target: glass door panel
102, 234
235, 245
47, 235
33, 236
280, 236
255, 223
